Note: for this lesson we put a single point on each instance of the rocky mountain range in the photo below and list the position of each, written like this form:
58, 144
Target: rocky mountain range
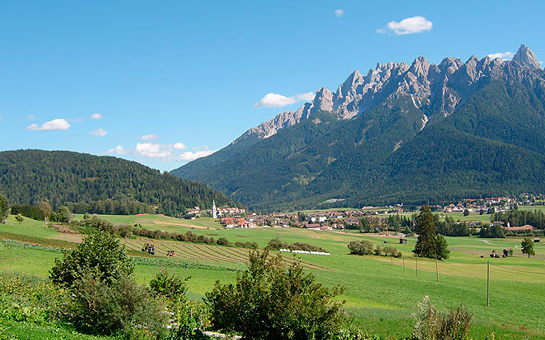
385, 110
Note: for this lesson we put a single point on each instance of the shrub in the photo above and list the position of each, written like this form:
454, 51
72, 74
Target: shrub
120, 306
270, 301
363, 247
434, 325
223, 241
172, 287
100, 252
25, 298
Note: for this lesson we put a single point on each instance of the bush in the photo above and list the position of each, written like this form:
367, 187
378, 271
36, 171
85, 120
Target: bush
119, 306
171, 287
25, 298
100, 252
365, 247
270, 301
434, 325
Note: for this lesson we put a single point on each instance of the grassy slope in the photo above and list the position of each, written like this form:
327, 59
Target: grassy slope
380, 293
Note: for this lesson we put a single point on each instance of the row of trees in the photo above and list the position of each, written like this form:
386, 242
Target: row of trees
365, 247
517, 218
91, 223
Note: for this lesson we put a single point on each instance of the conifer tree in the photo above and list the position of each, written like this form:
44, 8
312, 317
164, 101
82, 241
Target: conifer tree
426, 245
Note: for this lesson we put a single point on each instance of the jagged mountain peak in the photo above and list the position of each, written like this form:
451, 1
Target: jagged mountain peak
526, 57
420, 67
443, 86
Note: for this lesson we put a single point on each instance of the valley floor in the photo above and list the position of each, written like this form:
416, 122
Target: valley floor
381, 292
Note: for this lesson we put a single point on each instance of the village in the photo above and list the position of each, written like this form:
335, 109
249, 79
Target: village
379, 217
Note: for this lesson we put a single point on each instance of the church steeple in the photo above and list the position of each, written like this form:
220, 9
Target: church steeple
214, 209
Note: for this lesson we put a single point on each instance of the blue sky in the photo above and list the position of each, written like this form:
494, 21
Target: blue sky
163, 82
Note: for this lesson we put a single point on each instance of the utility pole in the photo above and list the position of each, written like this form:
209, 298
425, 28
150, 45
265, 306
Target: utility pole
488, 283
436, 268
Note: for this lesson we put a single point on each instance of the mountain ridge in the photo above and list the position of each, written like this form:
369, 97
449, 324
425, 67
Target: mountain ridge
375, 116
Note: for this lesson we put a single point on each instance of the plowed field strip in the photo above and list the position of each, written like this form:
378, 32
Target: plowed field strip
206, 252
199, 254
225, 251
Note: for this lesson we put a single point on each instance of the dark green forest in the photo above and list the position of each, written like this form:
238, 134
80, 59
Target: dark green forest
100, 184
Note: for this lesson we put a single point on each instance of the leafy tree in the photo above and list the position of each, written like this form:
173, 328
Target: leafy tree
4, 209
46, 209
527, 247
270, 301
19, 218
64, 214
426, 245
466, 212
100, 252
442, 248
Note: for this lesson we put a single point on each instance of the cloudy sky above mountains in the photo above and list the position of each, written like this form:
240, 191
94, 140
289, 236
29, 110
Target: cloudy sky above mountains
166, 82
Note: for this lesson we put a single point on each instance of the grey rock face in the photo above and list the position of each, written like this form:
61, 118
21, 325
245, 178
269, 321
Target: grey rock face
436, 89
526, 57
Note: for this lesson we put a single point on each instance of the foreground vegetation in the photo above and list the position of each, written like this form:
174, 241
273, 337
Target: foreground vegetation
381, 292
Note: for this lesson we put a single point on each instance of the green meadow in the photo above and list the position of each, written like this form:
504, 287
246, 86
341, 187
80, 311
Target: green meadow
381, 292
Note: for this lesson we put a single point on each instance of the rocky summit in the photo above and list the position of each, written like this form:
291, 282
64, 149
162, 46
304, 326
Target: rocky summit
364, 143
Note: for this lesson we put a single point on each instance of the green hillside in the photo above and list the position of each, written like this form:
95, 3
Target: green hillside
30, 176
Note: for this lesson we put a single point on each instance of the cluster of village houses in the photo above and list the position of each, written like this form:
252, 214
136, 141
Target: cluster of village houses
339, 220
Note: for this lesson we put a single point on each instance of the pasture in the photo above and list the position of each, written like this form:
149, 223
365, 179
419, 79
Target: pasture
381, 292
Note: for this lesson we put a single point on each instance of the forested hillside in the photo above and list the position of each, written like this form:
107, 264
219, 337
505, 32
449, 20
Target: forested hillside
31, 176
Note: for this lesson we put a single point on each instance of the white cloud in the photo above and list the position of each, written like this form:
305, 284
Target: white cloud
151, 150
191, 156
96, 116
309, 96
179, 146
149, 137
118, 150
339, 13
100, 132
30, 117
53, 125
164, 152
278, 100
505, 55
410, 25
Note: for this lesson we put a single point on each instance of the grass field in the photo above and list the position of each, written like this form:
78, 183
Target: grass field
381, 292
